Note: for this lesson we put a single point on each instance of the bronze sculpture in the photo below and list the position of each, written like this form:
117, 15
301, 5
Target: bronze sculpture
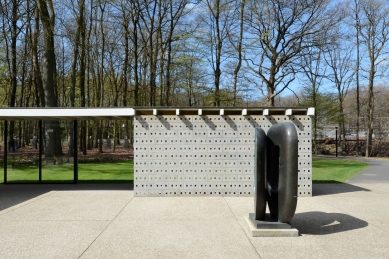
276, 174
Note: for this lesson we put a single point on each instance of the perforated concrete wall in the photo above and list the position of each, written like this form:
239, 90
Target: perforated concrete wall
207, 155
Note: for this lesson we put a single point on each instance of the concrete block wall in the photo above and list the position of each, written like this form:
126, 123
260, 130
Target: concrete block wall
210, 155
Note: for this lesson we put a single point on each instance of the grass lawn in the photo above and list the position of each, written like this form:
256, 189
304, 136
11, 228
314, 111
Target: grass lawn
110, 172
334, 170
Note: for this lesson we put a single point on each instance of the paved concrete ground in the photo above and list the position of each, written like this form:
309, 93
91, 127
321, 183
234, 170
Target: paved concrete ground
377, 172
106, 221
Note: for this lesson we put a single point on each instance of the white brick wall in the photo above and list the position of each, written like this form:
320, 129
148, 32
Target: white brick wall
207, 155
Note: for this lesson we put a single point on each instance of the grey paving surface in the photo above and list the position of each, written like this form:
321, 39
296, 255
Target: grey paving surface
106, 221
377, 172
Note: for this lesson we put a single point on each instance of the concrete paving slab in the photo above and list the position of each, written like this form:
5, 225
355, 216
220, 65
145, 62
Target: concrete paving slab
73, 205
240, 206
47, 239
14, 195
382, 187
368, 208
172, 239
176, 208
88, 222
365, 242
382, 225
341, 245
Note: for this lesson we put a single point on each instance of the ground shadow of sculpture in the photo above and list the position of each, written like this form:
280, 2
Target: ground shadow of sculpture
276, 173
321, 223
335, 188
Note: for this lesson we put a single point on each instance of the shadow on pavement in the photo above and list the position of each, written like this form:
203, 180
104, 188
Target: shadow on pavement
14, 194
328, 189
322, 223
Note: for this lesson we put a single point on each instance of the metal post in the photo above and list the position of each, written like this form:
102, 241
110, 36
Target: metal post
5, 163
75, 151
40, 150
336, 141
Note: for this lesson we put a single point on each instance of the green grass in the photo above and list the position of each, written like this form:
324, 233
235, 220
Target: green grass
110, 172
335, 171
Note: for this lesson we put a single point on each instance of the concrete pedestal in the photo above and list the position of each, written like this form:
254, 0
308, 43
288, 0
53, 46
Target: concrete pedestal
259, 228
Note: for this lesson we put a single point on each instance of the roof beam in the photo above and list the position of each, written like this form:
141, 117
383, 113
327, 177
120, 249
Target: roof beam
311, 111
288, 112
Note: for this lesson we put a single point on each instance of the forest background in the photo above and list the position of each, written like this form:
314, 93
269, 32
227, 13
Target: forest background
328, 54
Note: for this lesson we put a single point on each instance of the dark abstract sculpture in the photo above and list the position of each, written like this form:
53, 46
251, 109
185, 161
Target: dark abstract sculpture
276, 172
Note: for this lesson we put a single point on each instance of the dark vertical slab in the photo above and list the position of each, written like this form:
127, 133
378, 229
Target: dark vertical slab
5, 163
282, 171
75, 151
259, 174
40, 150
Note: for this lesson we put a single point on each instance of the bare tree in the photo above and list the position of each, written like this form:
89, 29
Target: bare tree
10, 12
283, 30
78, 11
238, 48
374, 31
40, 94
339, 59
357, 67
218, 20
313, 71
53, 137
175, 13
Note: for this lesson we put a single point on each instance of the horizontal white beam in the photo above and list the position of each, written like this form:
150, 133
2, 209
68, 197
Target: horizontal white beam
65, 113
124, 113
311, 111
288, 112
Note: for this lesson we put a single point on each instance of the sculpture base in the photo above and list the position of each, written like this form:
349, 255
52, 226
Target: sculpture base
259, 228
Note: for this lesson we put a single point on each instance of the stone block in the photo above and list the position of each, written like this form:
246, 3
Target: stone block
267, 229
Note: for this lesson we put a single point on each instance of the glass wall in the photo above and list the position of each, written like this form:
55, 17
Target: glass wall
22, 150
103, 150
58, 155
106, 153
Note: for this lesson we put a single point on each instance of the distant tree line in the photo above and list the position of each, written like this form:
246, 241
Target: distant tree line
103, 53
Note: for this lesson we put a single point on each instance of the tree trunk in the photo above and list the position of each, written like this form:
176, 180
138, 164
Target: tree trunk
239, 49
72, 95
370, 126
358, 149
219, 45
35, 61
53, 136
81, 25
